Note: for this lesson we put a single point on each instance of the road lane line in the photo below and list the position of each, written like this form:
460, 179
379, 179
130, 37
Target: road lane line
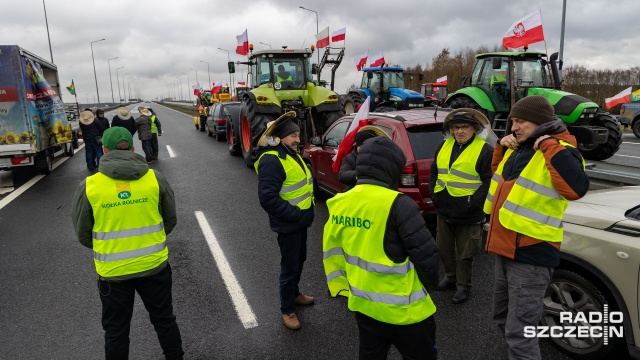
170, 151
633, 143
243, 309
635, 157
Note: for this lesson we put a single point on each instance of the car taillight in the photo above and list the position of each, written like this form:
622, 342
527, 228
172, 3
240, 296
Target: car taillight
222, 121
21, 160
408, 176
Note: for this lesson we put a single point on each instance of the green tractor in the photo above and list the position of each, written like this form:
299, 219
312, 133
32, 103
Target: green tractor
282, 81
500, 79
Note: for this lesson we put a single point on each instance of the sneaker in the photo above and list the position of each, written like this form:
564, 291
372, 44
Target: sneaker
291, 321
304, 300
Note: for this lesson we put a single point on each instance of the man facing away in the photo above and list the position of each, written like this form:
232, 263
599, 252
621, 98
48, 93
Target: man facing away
285, 190
379, 253
538, 170
458, 185
143, 122
123, 213
124, 119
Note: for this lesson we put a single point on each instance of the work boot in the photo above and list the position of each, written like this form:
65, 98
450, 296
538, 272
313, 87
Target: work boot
461, 296
304, 300
291, 321
445, 284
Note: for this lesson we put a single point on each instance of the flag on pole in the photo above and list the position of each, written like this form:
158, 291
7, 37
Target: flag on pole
243, 44
622, 97
338, 35
442, 81
361, 61
523, 32
196, 89
72, 88
216, 87
378, 60
360, 120
322, 38
635, 96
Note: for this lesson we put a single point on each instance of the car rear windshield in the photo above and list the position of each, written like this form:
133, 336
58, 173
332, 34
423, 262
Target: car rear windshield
226, 109
425, 140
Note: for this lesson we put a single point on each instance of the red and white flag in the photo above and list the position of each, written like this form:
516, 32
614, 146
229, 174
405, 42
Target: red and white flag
442, 81
243, 44
216, 87
322, 38
523, 32
346, 146
378, 60
196, 89
622, 97
361, 61
338, 35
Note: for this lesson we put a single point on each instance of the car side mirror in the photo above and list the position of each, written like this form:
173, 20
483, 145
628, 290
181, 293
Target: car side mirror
496, 63
316, 140
314, 69
332, 143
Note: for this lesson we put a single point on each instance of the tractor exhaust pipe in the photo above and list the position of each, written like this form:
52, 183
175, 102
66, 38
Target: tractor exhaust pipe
554, 71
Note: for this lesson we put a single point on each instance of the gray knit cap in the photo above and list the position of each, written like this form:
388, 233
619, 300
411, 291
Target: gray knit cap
536, 109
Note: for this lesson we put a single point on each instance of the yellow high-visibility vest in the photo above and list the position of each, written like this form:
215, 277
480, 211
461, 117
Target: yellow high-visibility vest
297, 188
154, 128
128, 232
461, 179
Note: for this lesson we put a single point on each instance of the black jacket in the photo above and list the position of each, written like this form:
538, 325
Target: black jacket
462, 209
380, 162
347, 174
129, 124
284, 218
91, 131
104, 123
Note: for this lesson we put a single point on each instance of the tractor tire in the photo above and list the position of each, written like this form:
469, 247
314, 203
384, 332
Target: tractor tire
330, 117
636, 128
351, 103
252, 125
233, 137
466, 102
384, 109
614, 139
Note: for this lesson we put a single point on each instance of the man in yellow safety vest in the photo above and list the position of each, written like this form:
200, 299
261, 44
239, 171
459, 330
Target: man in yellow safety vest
123, 213
538, 170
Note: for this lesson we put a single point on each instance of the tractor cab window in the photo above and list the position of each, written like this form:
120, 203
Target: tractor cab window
393, 79
530, 73
494, 79
290, 73
261, 71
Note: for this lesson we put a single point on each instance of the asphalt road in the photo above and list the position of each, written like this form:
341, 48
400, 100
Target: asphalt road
49, 303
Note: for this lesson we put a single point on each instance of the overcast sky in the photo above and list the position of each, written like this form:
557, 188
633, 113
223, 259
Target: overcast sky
158, 41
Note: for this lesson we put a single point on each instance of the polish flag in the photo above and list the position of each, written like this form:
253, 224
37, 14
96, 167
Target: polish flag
338, 35
523, 32
243, 44
378, 60
361, 61
196, 89
442, 81
216, 87
346, 146
322, 38
622, 97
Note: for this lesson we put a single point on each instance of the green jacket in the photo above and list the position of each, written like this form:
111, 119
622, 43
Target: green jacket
124, 165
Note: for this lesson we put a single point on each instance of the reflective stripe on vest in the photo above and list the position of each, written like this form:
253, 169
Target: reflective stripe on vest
297, 188
461, 179
533, 206
154, 128
128, 231
356, 265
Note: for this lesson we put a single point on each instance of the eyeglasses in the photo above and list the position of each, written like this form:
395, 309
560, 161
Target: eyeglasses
460, 127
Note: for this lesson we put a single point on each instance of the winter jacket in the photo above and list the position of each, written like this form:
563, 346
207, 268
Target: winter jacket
122, 165
91, 132
347, 174
129, 124
569, 180
144, 127
406, 233
104, 123
462, 209
284, 218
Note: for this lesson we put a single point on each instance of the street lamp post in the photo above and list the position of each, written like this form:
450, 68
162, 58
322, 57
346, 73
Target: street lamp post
208, 71
118, 82
269, 45
49, 37
129, 85
111, 81
230, 81
197, 82
124, 88
317, 30
180, 81
188, 82
94, 69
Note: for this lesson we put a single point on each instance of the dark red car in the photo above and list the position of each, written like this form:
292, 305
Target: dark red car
418, 132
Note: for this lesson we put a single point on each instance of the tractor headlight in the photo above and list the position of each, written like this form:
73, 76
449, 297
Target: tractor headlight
395, 98
590, 110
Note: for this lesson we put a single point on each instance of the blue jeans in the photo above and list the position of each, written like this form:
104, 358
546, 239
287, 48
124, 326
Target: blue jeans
93, 151
293, 251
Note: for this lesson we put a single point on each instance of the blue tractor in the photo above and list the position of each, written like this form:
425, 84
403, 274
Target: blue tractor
385, 86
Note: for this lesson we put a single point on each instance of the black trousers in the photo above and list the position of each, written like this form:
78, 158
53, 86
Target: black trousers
117, 309
148, 151
293, 252
414, 342
154, 146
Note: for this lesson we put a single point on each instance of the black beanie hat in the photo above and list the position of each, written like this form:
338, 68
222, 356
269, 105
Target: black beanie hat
536, 109
285, 128
361, 136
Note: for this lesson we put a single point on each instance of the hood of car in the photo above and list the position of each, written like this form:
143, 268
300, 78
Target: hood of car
602, 209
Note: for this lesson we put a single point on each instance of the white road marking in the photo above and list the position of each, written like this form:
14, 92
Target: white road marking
635, 157
633, 143
243, 309
170, 151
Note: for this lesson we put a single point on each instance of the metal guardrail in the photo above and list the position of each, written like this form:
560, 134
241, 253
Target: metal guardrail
607, 175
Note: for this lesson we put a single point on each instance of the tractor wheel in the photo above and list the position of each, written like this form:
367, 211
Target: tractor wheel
233, 139
384, 109
466, 102
636, 128
252, 125
351, 103
614, 139
330, 117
